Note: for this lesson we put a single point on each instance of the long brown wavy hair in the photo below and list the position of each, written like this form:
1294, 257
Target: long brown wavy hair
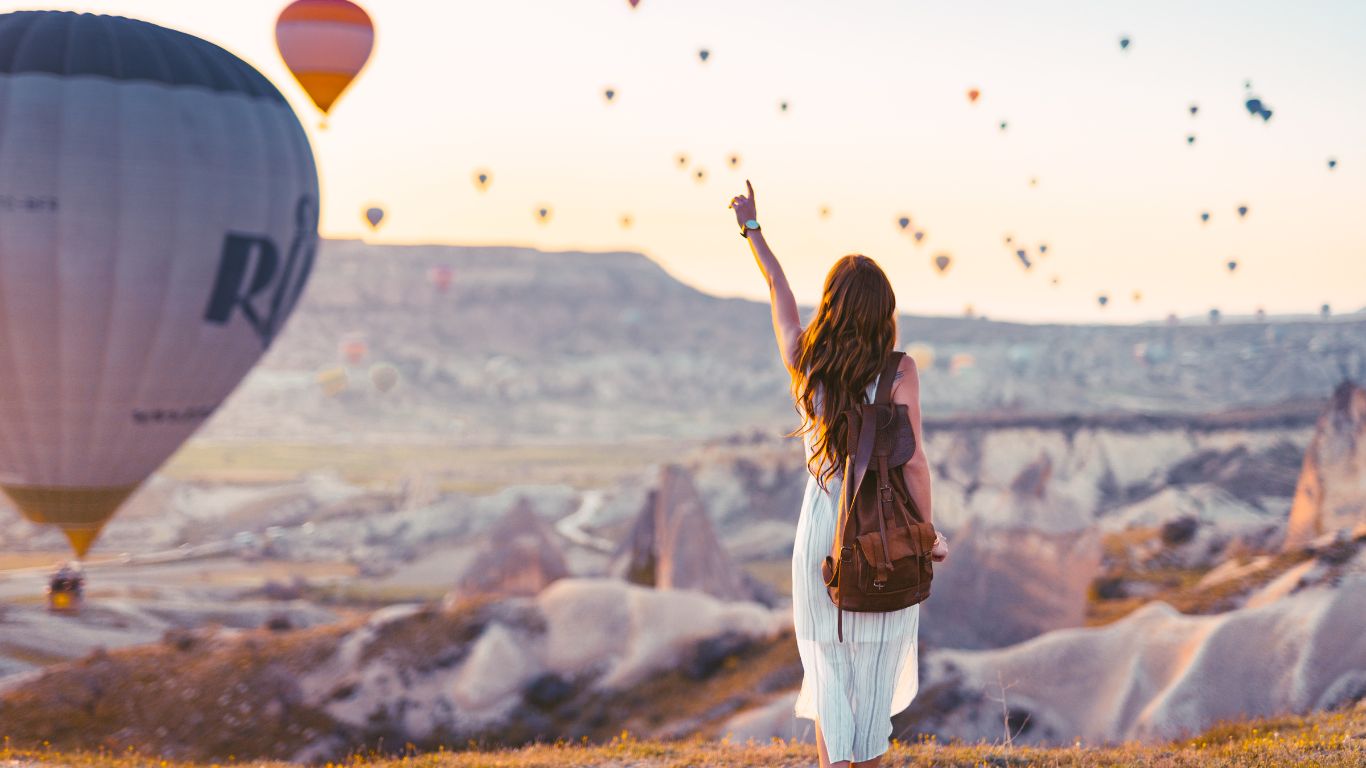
843, 348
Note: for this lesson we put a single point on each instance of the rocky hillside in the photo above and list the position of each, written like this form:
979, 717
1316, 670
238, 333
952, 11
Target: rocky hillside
525, 345
1331, 495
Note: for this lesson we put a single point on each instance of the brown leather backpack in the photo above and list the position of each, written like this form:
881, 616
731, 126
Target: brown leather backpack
880, 560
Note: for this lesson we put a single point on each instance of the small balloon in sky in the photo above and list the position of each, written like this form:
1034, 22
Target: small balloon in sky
482, 179
1325, 310
1055, 280
626, 221
1214, 316
1023, 256
942, 262
325, 44
1190, 138
825, 211
1043, 248
1204, 216
1194, 108
704, 54
1264, 113
1004, 125
1253, 105
441, 276
633, 3
1242, 211
919, 236
374, 215
903, 222
543, 214
782, 106
1010, 239
1232, 266
609, 94
1102, 299
681, 161
1332, 163
1261, 314
1034, 182
973, 93
1138, 296
1124, 43
734, 161
699, 175
384, 376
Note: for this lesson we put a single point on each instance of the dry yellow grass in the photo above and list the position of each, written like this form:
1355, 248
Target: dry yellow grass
1327, 740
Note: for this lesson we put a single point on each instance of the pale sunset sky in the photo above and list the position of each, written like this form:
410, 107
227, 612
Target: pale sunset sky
879, 126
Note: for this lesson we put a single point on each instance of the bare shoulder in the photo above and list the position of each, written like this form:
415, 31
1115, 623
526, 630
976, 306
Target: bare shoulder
906, 384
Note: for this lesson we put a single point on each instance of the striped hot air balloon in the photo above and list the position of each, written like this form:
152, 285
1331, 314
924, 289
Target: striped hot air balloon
325, 44
158, 222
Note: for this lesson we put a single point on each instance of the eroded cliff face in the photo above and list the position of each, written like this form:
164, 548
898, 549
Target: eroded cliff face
1331, 494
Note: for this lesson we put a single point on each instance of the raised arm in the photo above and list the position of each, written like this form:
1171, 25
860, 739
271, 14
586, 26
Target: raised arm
787, 323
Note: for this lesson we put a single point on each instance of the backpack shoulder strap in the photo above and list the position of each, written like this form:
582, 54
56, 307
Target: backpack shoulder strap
884, 382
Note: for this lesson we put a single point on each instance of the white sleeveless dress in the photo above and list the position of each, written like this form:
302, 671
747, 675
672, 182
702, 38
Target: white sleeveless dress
850, 688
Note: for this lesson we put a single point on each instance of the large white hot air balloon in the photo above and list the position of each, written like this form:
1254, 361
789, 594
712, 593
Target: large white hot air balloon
158, 221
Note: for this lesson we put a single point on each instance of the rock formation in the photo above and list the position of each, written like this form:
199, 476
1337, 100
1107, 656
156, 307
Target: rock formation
1331, 495
673, 544
519, 556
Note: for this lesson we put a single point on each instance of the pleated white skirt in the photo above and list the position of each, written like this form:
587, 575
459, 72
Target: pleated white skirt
850, 688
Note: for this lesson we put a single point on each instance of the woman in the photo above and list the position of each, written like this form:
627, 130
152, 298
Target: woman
851, 688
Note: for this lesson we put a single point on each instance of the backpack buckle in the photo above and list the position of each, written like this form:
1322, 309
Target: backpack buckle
885, 493
846, 554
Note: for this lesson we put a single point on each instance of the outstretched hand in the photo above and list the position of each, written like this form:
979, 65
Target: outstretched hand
940, 553
744, 206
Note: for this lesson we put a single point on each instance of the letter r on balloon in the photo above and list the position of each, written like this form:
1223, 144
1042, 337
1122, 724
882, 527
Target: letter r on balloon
247, 272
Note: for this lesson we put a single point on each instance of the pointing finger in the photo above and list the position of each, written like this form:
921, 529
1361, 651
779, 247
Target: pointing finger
751, 189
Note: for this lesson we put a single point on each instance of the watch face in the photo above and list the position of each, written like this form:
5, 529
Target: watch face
751, 224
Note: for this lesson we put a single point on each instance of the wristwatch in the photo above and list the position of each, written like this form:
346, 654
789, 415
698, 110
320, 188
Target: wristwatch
749, 226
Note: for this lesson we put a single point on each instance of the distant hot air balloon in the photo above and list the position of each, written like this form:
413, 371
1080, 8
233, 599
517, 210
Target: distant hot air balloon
1004, 125
482, 179
1023, 256
1190, 138
441, 276
734, 161
825, 211
384, 376
1332, 163
325, 44
543, 214
1232, 266
1264, 113
1214, 316
681, 161
1010, 239
1034, 182
1043, 249
782, 106
1124, 43
903, 222
1054, 280
353, 350
633, 3
626, 221
1242, 211
704, 54
973, 93
1172, 319
374, 215
333, 381
699, 175
1102, 299
609, 94
942, 262
159, 225
1204, 216
1253, 105
1138, 296
1261, 314
1194, 108
1325, 310
919, 236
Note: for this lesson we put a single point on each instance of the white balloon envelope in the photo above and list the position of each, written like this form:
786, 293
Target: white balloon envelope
158, 222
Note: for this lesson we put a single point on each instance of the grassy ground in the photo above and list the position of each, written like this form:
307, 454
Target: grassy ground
1328, 740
